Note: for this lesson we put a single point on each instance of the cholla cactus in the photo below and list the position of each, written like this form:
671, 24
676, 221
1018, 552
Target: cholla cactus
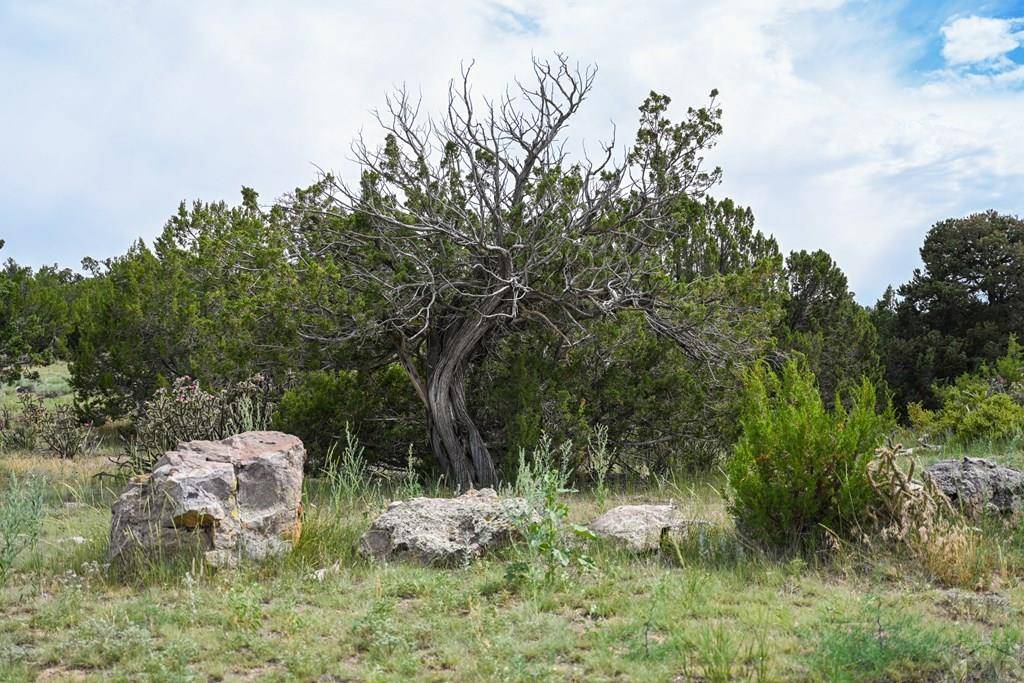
65, 435
907, 510
187, 412
20, 430
921, 520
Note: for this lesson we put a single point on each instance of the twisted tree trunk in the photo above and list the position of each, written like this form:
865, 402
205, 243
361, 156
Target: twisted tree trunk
454, 438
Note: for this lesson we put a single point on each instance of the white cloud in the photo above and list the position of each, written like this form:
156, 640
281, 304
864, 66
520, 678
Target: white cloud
113, 115
970, 40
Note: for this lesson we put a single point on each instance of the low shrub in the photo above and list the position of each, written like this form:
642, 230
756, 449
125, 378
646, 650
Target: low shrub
599, 458
59, 428
409, 484
707, 545
997, 417
542, 471
799, 468
921, 419
347, 475
975, 409
378, 632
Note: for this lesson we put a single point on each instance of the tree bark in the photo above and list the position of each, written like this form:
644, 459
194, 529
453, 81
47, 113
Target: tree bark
454, 438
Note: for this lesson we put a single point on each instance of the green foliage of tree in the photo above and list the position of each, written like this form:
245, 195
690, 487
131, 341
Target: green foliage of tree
131, 332
376, 406
35, 315
826, 325
956, 312
718, 237
209, 300
987, 405
661, 409
800, 468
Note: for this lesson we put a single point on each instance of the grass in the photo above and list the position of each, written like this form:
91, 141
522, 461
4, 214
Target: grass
322, 613
52, 385
708, 609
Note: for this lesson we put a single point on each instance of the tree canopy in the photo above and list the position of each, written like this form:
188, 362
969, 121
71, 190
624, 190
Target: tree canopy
958, 309
826, 325
471, 225
34, 315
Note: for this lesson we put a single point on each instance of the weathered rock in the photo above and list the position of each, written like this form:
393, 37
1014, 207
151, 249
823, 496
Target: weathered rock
236, 498
444, 531
980, 486
641, 528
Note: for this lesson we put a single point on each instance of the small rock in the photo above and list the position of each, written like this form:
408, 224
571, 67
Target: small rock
444, 531
978, 486
641, 528
236, 498
77, 540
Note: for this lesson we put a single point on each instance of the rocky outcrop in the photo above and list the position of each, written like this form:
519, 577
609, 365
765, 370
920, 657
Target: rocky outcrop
444, 531
641, 528
239, 498
979, 486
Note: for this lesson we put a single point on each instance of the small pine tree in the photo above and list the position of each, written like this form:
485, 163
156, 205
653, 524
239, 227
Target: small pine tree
800, 468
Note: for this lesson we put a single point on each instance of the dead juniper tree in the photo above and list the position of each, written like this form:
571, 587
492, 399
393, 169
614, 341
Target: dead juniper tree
469, 225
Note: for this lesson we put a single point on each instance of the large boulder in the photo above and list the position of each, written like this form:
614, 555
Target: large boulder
444, 531
641, 528
979, 486
231, 499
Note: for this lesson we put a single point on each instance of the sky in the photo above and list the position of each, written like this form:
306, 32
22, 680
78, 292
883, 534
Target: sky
848, 126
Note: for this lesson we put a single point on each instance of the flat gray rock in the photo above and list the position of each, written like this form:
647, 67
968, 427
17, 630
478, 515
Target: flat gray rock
444, 531
231, 499
979, 486
640, 528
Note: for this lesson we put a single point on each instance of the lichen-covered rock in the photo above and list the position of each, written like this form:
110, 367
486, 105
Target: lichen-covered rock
979, 486
234, 499
444, 531
640, 528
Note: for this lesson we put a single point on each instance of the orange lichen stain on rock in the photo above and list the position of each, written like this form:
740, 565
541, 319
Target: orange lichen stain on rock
295, 532
193, 520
